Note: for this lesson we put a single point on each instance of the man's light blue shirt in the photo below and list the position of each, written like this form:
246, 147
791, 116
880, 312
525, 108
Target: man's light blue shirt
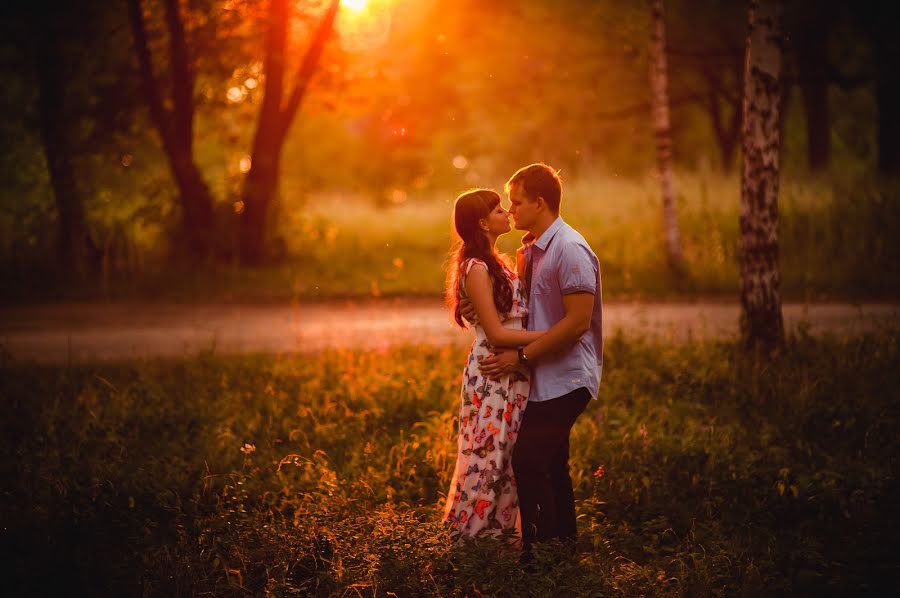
563, 263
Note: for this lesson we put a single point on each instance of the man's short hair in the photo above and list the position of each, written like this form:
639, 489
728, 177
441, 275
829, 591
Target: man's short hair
538, 180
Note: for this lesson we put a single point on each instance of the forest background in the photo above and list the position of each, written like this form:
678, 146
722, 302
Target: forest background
408, 104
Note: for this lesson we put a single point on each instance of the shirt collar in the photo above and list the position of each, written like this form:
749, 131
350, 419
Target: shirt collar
544, 240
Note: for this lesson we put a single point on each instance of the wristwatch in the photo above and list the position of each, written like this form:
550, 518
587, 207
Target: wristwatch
523, 359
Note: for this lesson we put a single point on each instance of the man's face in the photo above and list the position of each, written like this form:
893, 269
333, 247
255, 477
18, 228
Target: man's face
523, 209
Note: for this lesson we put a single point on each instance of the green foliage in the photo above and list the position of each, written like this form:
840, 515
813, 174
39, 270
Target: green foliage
836, 241
325, 475
397, 99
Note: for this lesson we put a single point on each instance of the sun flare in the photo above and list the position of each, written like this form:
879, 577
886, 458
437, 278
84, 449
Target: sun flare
355, 5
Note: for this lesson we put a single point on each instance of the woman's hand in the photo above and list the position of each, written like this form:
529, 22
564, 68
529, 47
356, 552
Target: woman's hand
468, 311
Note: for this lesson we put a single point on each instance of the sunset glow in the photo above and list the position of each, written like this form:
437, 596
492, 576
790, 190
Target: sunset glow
365, 25
442, 297
355, 5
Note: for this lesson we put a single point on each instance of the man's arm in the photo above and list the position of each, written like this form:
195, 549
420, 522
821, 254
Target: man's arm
565, 333
576, 274
562, 335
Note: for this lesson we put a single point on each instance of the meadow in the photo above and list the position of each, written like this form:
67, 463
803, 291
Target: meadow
698, 472
838, 240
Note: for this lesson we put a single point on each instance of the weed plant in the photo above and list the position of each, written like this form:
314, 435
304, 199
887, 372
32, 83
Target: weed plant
698, 472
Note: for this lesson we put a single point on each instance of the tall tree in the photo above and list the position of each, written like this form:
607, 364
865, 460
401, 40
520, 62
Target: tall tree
276, 115
659, 85
721, 93
175, 124
67, 108
762, 325
808, 27
882, 18
709, 67
75, 248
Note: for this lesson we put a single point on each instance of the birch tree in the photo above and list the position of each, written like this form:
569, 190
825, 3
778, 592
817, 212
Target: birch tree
762, 326
660, 105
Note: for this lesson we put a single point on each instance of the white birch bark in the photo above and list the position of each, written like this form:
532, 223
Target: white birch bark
762, 325
659, 83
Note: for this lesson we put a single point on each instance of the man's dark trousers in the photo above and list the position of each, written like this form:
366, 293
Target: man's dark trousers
541, 463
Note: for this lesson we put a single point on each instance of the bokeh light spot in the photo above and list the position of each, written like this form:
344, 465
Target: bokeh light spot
234, 94
398, 196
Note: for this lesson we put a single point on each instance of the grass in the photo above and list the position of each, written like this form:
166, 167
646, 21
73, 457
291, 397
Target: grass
292, 475
837, 241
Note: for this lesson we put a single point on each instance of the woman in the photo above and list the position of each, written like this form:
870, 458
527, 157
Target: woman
482, 499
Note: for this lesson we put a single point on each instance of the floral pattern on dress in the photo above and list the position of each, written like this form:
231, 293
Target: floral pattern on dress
482, 500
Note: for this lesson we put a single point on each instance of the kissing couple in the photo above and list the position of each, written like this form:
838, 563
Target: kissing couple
534, 366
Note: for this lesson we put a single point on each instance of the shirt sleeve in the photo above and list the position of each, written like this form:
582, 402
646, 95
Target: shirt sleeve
578, 270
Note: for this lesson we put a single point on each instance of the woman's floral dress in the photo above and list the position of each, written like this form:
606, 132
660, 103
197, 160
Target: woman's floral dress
482, 500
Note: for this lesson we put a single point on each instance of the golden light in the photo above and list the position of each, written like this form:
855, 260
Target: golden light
355, 5
235, 94
365, 25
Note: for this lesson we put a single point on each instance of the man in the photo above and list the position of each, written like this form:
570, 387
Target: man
562, 276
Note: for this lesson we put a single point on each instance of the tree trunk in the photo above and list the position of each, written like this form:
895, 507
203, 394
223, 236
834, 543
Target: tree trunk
196, 204
812, 56
75, 249
727, 134
887, 95
259, 192
730, 137
274, 122
818, 134
175, 126
762, 326
660, 100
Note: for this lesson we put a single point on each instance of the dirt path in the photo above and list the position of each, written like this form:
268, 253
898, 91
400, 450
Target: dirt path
79, 332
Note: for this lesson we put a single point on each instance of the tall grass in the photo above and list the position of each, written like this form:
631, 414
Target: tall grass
837, 240
697, 472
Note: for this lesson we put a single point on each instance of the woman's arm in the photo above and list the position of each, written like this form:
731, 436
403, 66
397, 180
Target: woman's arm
480, 292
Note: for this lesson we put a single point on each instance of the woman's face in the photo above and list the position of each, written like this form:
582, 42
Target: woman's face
497, 221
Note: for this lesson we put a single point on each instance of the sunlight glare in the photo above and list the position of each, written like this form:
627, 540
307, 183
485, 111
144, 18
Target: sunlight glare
365, 25
355, 5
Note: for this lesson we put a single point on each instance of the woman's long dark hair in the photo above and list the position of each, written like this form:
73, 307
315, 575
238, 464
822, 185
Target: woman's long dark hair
470, 207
